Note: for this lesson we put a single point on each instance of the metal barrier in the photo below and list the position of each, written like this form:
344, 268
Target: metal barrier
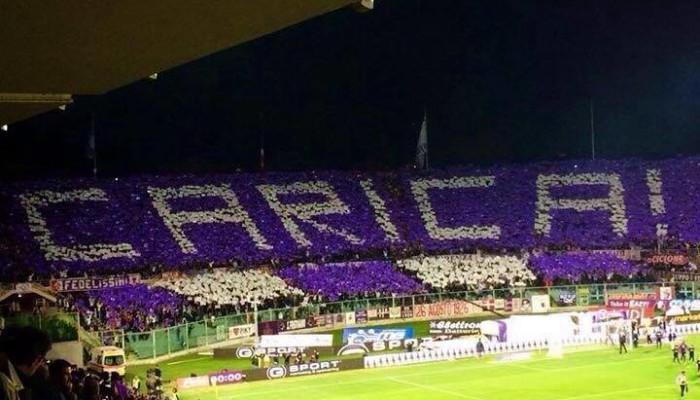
161, 342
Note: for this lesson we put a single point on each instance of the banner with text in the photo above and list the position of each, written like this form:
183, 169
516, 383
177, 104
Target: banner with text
444, 309
296, 340
241, 331
644, 301
378, 334
93, 283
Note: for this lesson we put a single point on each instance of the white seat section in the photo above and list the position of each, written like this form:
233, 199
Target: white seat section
230, 287
473, 271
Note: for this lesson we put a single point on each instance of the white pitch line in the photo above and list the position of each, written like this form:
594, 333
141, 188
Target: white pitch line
585, 396
434, 389
529, 368
467, 367
188, 361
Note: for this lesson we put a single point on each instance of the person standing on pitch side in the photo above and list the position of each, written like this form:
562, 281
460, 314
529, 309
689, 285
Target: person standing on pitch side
623, 342
682, 382
691, 353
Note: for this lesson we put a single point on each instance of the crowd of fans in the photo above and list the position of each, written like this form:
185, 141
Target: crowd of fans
338, 281
470, 271
583, 267
134, 308
181, 298
236, 291
25, 374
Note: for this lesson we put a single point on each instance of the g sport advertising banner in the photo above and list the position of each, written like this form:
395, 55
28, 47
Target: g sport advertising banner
314, 368
364, 335
383, 345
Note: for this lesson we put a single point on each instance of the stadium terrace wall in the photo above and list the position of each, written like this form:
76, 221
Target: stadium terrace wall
161, 344
174, 220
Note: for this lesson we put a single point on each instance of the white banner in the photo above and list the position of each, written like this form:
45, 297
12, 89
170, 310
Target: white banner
350, 318
296, 341
241, 331
540, 303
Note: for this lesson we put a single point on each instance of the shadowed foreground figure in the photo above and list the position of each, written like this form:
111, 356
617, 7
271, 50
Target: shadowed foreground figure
22, 353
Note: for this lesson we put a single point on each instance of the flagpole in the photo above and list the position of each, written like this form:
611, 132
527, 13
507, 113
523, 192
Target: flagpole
427, 164
262, 142
592, 131
422, 147
94, 147
262, 152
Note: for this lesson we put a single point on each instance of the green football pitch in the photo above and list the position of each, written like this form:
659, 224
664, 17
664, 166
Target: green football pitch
598, 373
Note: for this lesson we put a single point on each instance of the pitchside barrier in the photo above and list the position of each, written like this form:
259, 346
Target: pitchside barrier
181, 338
451, 353
449, 350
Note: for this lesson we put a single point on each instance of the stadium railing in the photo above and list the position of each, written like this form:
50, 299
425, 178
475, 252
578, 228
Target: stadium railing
163, 342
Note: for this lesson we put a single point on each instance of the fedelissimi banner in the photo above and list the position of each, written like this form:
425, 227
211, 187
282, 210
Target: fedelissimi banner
364, 335
93, 283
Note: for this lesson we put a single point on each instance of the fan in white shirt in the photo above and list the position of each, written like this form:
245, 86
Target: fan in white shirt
470, 270
229, 287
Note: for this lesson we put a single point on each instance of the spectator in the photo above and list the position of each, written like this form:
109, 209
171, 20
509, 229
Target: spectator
22, 352
91, 389
60, 385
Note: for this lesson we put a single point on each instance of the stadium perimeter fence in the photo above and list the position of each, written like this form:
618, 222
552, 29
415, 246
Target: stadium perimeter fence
162, 342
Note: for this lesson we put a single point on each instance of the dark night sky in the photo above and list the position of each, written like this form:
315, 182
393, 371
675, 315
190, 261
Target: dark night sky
501, 81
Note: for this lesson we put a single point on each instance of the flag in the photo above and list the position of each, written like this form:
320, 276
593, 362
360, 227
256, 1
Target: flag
90, 147
422, 148
262, 159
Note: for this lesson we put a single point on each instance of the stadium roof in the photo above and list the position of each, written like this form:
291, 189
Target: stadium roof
53, 50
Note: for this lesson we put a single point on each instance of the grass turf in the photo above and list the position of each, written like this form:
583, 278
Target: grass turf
646, 373
200, 365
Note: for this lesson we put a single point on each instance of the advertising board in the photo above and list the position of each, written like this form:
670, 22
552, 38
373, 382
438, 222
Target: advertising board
269, 327
643, 301
378, 334
666, 258
226, 377
241, 331
448, 308
378, 314
295, 325
314, 368
308, 340
454, 327
361, 316
192, 382
540, 303
250, 351
382, 345
293, 370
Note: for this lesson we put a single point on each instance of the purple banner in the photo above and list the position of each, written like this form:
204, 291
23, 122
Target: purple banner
270, 327
82, 224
